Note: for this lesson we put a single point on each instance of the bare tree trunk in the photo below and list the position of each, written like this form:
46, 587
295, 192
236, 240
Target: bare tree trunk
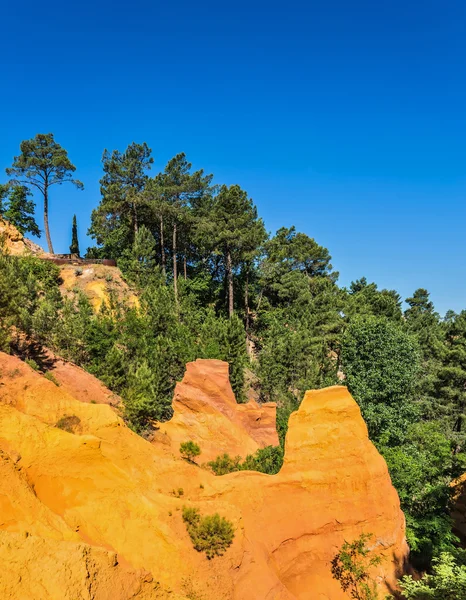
246, 299
46, 219
185, 267
229, 270
175, 269
162, 248
135, 217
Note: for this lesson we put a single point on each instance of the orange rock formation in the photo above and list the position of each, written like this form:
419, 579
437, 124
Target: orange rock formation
97, 503
15, 243
206, 412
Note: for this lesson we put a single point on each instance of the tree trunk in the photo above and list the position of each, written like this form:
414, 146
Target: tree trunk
185, 267
246, 299
229, 270
135, 217
46, 219
162, 248
175, 270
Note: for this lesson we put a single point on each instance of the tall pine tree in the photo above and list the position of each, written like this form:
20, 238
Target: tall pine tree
41, 164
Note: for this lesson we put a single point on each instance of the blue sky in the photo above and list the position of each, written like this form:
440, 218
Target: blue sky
346, 119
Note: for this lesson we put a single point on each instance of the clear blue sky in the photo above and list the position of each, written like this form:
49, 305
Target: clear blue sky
346, 119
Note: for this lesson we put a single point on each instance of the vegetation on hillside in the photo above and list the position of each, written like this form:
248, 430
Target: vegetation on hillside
212, 284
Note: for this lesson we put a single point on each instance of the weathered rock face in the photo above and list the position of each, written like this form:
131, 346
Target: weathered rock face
97, 282
102, 490
206, 412
459, 507
15, 243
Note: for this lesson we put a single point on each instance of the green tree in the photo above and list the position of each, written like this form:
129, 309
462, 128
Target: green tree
236, 355
173, 193
139, 263
20, 210
351, 568
290, 260
115, 222
446, 582
234, 230
421, 469
365, 299
381, 362
189, 450
74, 247
41, 164
450, 384
3, 194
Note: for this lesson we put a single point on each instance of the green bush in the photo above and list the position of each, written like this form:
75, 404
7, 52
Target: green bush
266, 460
212, 534
32, 363
447, 581
351, 566
51, 378
224, 464
68, 423
189, 450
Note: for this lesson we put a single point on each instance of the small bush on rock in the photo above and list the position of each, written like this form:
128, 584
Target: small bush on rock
224, 464
189, 450
68, 423
212, 534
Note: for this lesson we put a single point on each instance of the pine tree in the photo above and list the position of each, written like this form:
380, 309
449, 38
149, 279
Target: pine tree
236, 355
233, 229
115, 222
3, 195
74, 248
175, 191
20, 211
41, 164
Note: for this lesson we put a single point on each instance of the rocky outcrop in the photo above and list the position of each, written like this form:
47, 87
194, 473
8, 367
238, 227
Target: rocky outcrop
206, 412
42, 569
100, 493
458, 512
98, 283
15, 243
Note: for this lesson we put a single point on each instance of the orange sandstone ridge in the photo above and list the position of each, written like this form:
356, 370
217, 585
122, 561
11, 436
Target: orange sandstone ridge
205, 411
15, 243
91, 512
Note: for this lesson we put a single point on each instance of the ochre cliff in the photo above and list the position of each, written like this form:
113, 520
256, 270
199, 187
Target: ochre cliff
15, 243
205, 411
98, 508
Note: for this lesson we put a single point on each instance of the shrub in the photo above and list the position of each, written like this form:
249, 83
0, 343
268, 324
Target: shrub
212, 534
189, 450
447, 581
224, 464
51, 378
78, 272
266, 460
68, 423
350, 567
32, 363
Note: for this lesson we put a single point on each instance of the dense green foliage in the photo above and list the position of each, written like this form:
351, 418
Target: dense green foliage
446, 582
17, 207
212, 534
266, 460
212, 284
